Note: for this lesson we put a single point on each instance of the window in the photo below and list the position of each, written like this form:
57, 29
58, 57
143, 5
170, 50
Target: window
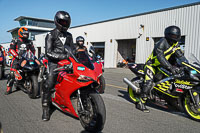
34, 23
22, 22
30, 22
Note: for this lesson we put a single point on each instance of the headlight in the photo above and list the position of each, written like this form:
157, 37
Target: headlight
83, 78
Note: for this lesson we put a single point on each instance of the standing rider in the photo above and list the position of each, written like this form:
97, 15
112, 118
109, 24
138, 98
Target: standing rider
166, 48
55, 44
17, 49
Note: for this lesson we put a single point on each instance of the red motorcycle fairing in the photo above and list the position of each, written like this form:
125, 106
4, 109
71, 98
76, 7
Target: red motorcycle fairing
45, 62
69, 83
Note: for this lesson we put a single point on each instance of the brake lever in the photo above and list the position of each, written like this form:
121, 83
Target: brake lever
57, 69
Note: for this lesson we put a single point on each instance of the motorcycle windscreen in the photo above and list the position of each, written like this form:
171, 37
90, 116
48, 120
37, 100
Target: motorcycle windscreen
84, 59
29, 55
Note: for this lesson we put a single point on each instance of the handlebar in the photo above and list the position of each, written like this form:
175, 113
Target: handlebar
176, 75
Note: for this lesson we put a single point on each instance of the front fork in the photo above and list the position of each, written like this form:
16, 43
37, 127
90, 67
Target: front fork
195, 98
80, 101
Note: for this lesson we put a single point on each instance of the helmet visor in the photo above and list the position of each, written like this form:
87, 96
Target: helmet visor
25, 35
174, 37
64, 23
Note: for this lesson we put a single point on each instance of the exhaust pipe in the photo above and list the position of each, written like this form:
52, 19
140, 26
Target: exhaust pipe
134, 88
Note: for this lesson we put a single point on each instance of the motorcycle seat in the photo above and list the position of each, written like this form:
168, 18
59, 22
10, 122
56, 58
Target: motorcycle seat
137, 69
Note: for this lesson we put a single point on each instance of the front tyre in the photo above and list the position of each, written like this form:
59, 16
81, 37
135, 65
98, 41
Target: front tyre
33, 92
190, 109
94, 115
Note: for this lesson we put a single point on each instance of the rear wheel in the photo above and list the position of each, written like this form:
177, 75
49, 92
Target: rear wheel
102, 85
132, 95
33, 91
190, 109
94, 115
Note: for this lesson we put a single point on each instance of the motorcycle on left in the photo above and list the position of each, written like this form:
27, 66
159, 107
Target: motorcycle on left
2, 64
26, 77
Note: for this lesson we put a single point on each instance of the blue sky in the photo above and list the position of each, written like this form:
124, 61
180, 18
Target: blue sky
81, 11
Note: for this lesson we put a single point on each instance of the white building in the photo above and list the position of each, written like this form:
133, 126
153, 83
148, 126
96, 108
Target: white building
135, 35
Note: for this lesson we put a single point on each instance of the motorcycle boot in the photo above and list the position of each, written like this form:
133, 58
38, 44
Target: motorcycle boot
141, 106
46, 104
46, 113
146, 89
144, 96
10, 83
8, 90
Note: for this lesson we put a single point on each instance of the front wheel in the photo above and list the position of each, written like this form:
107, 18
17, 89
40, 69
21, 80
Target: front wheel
190, 109
93, 116
33, 92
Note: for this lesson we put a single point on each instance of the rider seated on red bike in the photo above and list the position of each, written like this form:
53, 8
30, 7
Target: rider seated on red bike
17, 49
55, 44
80, 44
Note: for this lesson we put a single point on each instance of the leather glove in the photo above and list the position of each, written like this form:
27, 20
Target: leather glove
18, 57
65, 56
175, 70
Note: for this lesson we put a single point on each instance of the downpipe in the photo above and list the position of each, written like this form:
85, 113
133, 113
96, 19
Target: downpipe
134, 88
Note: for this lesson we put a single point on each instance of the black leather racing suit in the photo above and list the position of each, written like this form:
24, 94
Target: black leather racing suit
162, 53
55, 42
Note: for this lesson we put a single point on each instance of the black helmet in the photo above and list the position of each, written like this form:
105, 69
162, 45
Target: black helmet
62, 20
80, 39
173, 34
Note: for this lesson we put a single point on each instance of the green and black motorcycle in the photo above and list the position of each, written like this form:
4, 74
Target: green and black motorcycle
180, 91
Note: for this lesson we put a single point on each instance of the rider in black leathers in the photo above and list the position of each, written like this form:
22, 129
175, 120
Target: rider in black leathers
55, 43
165, 49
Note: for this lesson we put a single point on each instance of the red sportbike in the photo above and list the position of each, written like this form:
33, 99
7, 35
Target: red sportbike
75, 91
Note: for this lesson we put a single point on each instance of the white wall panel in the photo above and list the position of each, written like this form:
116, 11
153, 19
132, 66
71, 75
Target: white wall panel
186, 17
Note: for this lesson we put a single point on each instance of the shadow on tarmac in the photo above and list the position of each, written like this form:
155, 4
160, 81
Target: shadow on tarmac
151, 104
88, 132
53, 109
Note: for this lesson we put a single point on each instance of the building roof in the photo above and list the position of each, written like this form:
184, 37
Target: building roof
140, 14
32, 28
32, 18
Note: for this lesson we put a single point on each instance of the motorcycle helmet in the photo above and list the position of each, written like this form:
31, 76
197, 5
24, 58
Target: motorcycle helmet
62, 20
173, 34
80, 40
23, 33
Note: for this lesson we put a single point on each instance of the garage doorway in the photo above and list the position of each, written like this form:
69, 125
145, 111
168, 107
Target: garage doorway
126, 49
99, 48
39, 51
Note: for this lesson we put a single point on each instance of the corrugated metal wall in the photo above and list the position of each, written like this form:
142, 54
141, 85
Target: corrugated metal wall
186, 17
